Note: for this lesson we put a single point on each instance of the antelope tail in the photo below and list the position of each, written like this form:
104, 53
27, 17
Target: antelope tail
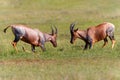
6, 29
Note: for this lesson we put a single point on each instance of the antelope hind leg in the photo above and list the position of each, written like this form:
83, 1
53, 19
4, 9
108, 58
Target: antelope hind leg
105, 42
113, 43
14, 45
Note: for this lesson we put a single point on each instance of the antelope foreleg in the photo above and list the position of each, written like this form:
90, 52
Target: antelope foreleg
90, 45
42, 45
86, 46
43, 48
33, 48
90, 42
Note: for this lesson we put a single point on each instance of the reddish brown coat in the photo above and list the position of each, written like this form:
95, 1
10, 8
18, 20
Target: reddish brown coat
94, 34
32, 36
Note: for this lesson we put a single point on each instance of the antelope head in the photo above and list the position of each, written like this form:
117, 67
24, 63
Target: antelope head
53, 38
74, 33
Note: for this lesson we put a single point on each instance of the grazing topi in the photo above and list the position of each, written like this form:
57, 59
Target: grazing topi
32, 36
93, 34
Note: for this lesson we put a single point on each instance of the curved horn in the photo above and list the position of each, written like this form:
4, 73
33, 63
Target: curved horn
56, 31
72, 27
52, 30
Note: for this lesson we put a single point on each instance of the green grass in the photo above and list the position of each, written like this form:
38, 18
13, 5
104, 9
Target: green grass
67, 61
75, 69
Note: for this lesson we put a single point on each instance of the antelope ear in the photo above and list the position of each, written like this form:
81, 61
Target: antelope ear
76, 30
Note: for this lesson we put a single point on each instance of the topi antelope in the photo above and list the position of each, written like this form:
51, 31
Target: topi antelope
32, 36
93, 34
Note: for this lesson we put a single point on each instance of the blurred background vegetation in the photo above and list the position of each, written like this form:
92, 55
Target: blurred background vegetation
66, 62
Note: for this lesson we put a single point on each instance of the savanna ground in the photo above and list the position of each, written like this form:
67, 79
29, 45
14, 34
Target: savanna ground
66, 62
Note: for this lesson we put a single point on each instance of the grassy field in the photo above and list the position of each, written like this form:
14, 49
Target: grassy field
66, 62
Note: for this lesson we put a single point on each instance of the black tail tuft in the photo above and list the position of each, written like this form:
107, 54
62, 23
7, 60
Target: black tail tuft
6, 29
